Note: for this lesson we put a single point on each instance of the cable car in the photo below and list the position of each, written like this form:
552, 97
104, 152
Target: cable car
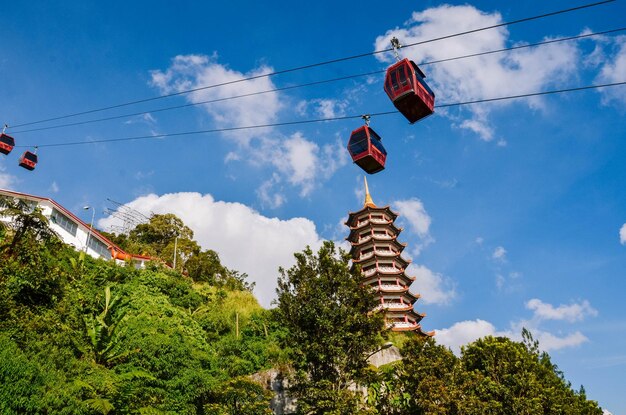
410, 94
366, 149
28, 160
6, 143
406, 88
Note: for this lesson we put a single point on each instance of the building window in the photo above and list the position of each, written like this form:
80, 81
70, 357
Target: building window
99, 247
63, 221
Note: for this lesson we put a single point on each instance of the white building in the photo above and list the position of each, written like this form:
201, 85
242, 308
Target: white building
75, 232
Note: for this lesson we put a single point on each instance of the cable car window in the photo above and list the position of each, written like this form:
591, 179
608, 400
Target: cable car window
402, 73
7, 139
379, 146
358, 142
30, 156
394, 80
374, 135
376, 141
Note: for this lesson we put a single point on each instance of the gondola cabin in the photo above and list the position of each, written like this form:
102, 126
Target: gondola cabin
28, 160
366, 149
405, 86
6, 143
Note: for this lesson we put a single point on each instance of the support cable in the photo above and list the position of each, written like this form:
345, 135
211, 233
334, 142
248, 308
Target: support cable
343, 78
318, 120
323, 63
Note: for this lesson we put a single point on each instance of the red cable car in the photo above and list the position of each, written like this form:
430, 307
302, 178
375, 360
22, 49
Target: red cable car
366, 149
406, 88
28, 160
6, 143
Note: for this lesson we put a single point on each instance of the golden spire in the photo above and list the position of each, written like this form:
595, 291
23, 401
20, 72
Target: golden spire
368, 198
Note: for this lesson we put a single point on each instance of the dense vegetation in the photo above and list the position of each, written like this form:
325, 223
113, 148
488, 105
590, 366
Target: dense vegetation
80, 336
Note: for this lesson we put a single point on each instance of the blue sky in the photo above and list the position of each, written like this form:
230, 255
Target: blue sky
512, 211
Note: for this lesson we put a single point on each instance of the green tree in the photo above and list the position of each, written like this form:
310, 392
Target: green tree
239, 396
205, 266
424, 382
332, 329
28, 224
160, 232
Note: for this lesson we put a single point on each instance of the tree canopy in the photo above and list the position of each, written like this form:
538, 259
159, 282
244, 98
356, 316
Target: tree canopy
84, 336
332, 329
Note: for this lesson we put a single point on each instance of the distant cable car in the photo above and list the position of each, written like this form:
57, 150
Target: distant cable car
6, 142
29, 160
405, 86
366, 149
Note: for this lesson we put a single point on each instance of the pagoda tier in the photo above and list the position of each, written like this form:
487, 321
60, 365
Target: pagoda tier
384, 247
376, 251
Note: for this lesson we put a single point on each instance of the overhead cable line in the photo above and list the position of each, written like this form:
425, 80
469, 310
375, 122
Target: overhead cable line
343, 78
318, 120
313, 65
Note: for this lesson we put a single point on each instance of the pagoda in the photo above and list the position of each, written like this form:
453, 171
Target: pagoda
376, 250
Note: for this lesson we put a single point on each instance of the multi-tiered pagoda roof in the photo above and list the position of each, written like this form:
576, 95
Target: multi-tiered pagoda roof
376, 250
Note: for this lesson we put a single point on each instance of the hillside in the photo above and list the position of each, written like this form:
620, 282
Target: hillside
80, 336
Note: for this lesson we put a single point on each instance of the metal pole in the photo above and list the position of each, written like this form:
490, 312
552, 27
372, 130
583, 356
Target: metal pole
175, 248
93, 214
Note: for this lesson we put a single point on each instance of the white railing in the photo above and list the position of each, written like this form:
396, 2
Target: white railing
388, 269
384, 237
381, 221
394, 306
366, 256
392, 287
369, 272
364, 239
403, 324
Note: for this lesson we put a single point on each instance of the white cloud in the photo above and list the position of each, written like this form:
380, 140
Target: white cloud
508, 73
301, 162
548, 341
142, 119
330, 108
499, 254
413, 212
614, 70
509, 283
571, 313
142, 175
622, 234
54, 187
433, 287
298, 160
194, 71
268, 195
231, 156
245, 240
464, 332
7, 181
500, 281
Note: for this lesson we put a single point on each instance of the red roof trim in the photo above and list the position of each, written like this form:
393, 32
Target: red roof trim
94, 232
